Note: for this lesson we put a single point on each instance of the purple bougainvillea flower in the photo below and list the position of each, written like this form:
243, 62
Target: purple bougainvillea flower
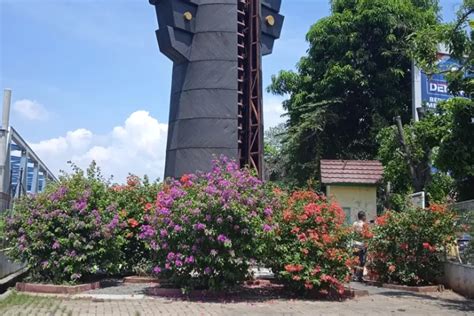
267, 228
157, 270
56, 245
207, 270
147, 232
200, 226
171, 256
164, 212
268, 212
163, 233
222, 238
80, 205
219, 220
211, 190
178, 263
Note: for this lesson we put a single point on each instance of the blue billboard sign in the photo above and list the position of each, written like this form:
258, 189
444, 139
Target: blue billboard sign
434, 88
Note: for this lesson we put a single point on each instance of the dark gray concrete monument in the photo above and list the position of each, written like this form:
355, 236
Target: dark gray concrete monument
216, 48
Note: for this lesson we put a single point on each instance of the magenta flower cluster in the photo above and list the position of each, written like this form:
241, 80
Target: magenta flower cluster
62, 235
209, 226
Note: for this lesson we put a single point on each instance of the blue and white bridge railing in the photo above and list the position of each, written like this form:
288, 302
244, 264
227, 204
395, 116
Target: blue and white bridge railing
21, 170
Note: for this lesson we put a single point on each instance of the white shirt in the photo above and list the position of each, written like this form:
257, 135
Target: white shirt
358, 226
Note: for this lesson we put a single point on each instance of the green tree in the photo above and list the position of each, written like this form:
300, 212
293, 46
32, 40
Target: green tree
422, 139
275, 156
353, 81
456, 149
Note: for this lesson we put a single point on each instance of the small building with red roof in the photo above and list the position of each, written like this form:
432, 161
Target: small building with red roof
353, 183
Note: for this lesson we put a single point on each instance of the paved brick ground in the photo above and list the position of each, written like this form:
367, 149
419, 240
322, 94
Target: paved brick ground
386, 303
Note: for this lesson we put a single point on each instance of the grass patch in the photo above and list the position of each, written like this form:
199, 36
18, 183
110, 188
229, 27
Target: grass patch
29, 304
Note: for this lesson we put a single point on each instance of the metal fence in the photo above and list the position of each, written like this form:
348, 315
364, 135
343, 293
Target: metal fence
21, 170
465, 211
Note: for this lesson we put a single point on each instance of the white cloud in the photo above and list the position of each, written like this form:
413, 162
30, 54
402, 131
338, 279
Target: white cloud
138, 146
273, 111
31, 110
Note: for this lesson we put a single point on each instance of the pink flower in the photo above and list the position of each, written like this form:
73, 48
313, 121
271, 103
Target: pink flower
268, 212
171, 256
199, 226
267, 228
222, 238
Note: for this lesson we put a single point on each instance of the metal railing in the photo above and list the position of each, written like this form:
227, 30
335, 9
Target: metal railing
22, 174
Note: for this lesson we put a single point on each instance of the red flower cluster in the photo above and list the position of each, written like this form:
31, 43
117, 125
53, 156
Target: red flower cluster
133, 181
133, 222
428, 247
437, 208
315, 226
312, 209
398, 255
185, 179
382, 220
334, 282
292, 268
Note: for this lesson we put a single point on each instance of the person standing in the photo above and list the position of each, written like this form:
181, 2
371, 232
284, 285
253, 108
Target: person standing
359, 227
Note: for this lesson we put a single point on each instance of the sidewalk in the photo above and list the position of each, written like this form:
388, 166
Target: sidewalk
129, 300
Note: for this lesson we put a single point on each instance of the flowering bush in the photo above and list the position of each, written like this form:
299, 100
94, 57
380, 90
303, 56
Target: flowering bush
208, 228
311, 250
133, 201
408, 247
66, 233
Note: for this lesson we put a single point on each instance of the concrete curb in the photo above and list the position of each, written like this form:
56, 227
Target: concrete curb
56, 289
111, 297
406, 288
140, 280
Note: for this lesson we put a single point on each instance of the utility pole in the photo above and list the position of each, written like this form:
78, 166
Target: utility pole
5, 152
417, 183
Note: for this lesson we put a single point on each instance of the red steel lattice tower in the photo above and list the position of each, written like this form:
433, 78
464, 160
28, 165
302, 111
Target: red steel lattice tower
250, 85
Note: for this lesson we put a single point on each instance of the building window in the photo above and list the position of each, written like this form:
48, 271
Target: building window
347, 210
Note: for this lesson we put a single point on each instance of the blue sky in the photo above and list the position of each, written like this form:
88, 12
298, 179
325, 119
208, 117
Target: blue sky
89, 82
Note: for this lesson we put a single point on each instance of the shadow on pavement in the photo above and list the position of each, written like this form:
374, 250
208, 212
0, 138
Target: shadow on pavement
463, 305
